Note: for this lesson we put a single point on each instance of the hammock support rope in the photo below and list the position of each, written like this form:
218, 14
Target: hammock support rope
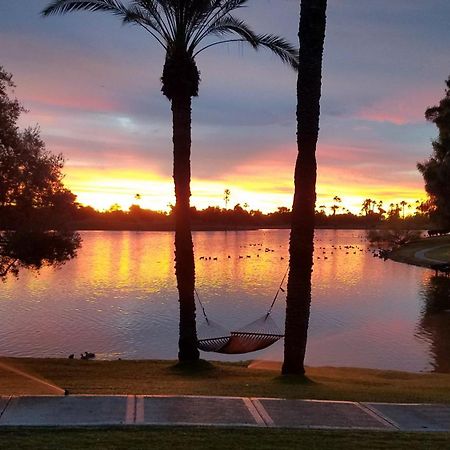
254, 336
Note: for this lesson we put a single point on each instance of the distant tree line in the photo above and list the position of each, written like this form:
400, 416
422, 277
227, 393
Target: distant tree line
216, 218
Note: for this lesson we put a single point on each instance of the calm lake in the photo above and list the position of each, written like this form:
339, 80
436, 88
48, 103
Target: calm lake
119, 299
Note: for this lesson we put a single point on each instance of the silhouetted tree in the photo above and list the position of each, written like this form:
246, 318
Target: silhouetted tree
367, 206
381, 211
181, 28
436, 170
394, 212
301, 245
335, 206
403, 203
226, 197
33, 199
425, 207
10, 110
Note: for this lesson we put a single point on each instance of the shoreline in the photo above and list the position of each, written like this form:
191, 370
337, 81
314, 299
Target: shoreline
165, 377
416, 253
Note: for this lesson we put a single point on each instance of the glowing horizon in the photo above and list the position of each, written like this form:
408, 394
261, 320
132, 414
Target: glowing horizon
94, 88
157, 194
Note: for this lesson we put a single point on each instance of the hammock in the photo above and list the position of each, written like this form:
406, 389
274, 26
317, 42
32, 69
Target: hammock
254, 336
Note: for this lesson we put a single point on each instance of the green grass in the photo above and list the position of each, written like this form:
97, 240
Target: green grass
174, 438
229, 379
442, 253
406, 252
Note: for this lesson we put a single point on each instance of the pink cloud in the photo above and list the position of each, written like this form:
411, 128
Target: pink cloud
72, 77
406, 107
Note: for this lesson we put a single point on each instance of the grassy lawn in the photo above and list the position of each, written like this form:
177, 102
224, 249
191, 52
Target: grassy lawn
227, 379
442, 253
215, 438
406, 252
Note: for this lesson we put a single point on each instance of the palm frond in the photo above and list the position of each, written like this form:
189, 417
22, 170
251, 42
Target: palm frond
213, 12
231, 25
184, 22
141, 17
65, 6
162, 12
149, 12
287, 52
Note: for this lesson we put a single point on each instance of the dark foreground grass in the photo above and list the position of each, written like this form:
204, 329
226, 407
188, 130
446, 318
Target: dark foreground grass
174, 438
229, 379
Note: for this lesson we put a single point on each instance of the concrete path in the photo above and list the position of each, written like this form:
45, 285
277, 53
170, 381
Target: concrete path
220, 411
420, 255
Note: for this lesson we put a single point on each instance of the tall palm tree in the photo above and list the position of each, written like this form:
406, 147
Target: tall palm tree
301, 245
336, 206
184, 29
403, 204
367, 206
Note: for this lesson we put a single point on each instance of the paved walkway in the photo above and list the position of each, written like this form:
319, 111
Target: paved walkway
421, 255
220, 411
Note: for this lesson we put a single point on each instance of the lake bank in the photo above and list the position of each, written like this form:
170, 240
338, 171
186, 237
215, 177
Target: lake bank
424, 253
153, 377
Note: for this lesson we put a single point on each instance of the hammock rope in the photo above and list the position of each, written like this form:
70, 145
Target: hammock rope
254, 336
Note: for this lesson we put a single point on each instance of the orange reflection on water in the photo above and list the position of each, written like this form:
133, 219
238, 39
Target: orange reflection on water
126, 260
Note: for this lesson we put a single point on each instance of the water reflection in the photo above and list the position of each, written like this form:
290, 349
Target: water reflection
434, 325
32, 250
118, 298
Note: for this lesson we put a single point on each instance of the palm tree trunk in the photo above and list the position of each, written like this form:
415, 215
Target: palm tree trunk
184, 248
301, 245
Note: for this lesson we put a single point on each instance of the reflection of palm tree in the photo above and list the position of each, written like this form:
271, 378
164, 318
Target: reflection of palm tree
301, 246
181, 28
434, 325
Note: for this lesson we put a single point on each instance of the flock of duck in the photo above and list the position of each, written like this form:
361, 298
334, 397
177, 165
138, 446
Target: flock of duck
325, 252
85, 355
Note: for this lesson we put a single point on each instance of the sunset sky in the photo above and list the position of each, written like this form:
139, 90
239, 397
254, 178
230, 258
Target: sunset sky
93, 86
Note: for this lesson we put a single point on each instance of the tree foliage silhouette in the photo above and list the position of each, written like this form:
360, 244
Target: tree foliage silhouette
184, 28
33, 199
436, 170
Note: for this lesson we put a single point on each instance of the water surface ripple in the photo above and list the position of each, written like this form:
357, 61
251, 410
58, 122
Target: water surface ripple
119, 299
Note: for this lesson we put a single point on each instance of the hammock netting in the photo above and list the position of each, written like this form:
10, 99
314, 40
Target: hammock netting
257, 335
